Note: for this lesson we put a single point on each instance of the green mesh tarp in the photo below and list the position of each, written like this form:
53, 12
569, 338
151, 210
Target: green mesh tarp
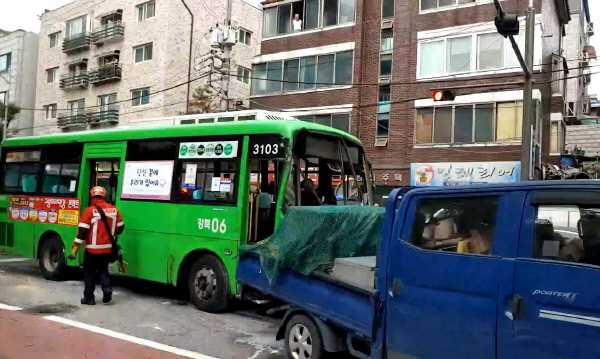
310, 237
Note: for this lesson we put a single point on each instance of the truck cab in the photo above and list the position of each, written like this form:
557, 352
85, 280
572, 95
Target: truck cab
494, 271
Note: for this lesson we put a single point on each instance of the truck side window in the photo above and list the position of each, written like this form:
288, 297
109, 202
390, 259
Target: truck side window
568, 233
460, 225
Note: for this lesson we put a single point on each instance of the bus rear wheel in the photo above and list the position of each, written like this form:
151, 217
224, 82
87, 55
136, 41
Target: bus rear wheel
209, 285
52, 259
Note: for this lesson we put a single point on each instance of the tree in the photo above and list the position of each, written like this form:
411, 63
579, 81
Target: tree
13, 110
202, 101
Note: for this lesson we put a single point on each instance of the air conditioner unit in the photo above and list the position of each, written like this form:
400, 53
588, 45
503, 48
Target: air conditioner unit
590, 29
385, 80
387, 24
381, 142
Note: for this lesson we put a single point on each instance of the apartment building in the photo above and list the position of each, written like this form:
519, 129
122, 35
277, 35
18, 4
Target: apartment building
103, 64
368, 67
18, 65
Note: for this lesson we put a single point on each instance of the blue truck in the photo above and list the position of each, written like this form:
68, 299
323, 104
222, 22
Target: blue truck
462, 272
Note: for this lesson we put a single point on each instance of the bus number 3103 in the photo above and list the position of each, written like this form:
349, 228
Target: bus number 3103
268, 149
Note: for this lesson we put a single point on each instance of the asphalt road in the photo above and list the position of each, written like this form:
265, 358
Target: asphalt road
144, 310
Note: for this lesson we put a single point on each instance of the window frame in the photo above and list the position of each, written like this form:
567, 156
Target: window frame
144, 48
247, 37
457, 5
473, 67
561, 137
140, 97
179, 173
8, 60
245, 71
54, 75
55, 36
53, 108
331, 115
383, 108
316, 73
142, 11
68, 26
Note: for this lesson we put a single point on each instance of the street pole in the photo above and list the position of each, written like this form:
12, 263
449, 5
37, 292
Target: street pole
5, 123
528, 113
226, 68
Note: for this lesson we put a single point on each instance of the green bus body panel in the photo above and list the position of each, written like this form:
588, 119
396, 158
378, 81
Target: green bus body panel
158, 236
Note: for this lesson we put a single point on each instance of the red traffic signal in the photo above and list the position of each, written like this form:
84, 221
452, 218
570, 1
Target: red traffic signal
442, 95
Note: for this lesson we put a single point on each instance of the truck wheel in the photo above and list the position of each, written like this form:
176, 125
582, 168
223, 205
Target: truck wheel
52, 259
208, 284
303, 339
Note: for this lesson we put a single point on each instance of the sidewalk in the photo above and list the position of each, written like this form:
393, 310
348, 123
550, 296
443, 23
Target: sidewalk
25, 336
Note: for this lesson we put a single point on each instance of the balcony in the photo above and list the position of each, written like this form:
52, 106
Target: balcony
107, 33
75, 118
103, 114
105, 74
77, 42
75, 81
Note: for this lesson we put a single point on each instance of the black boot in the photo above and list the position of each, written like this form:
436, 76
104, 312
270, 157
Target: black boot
107, 297
88, 301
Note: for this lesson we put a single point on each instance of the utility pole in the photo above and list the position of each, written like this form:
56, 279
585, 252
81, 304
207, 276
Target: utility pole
508, 26
226, 68
5, 123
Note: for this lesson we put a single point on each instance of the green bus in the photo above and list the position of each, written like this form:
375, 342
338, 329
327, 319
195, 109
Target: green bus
190, 194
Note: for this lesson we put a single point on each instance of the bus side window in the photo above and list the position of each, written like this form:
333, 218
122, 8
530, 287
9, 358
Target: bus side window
213, 181
21, 172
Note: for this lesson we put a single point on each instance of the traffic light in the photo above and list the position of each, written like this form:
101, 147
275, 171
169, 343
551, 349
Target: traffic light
442, 95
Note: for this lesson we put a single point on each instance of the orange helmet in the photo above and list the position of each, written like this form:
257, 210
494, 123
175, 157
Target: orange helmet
98, 191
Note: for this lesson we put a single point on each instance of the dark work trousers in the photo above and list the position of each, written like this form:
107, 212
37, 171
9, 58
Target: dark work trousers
95, 264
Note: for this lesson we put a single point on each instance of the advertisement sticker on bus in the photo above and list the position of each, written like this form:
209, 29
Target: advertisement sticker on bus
147, 180
64, 211
214, 149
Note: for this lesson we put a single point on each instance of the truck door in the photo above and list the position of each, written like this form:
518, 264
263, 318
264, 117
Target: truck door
557, 274
446, 276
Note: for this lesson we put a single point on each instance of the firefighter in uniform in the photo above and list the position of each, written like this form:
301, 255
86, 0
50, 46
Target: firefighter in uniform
94, 233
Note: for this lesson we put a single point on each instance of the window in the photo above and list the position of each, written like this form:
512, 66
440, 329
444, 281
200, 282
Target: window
337, 121
21, 171
313, 14
385, 65
140, 97
215, 181
5, 62
145, 11
77, 107
54, 39
435, 4
469, 123
490, 51
50, 111
155, 150
76, 26
459, 225
245, 37
243, 75
3, 97
387, 40
142, 53
51, 75
466, 53
567, 233
302, 74
60, 178
387, 9
383, 112
104, 101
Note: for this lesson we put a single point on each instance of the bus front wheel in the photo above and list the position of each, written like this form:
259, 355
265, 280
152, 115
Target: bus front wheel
52, 258
209, 285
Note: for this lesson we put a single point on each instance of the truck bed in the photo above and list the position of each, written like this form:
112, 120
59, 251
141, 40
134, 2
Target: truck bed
342, 304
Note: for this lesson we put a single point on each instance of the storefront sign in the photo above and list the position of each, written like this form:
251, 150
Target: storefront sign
147, 180
216, 149
51, 210
463, 173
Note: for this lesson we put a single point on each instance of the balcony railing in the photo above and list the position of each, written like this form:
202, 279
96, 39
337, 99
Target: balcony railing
75, 81
109, 32
77, 42
108, 73
75, 118
103, 114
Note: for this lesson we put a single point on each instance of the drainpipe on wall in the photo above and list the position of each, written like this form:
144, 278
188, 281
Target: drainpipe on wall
187, 103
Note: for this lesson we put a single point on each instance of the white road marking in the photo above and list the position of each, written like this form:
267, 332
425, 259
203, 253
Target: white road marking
9, 307
12, 260
129, 338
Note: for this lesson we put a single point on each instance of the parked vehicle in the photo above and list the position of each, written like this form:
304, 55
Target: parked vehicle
462, 272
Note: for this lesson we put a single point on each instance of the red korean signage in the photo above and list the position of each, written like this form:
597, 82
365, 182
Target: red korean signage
53, 210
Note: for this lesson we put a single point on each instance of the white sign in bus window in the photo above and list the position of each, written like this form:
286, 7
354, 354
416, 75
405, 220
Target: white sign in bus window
214, 149
147, 180
215, 185
190, 173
